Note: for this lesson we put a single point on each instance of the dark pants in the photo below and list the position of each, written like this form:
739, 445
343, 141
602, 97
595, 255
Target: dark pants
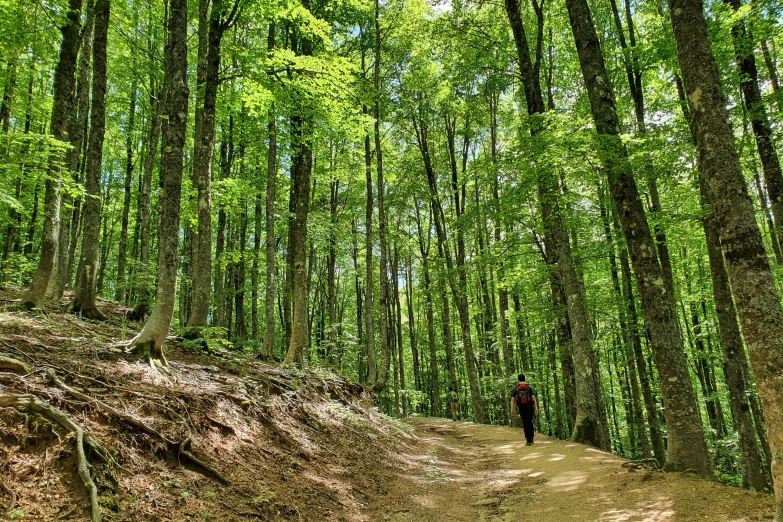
527, 422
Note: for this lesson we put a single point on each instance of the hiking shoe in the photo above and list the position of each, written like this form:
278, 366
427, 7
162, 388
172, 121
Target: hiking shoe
529, 444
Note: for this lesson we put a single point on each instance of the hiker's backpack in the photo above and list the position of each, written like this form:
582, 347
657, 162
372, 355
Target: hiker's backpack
452, 396
524, 395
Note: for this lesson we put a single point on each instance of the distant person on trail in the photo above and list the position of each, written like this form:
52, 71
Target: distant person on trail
524, 398
453, 400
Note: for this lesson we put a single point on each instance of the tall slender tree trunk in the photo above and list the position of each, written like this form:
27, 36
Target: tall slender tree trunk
270, 242
424, 248
212, 24
149, 342
269, 220
627, 343
759, 121
753, 286
686, 445
302, 166
383, 286
122, 256
145, 215
505, 341
412, 323
86, 289
735, 363
587, 427
772, 71
61, 107
369, 285
75, 159
398, 327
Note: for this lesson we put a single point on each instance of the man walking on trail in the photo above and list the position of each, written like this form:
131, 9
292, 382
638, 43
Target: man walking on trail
524, 398
453, 400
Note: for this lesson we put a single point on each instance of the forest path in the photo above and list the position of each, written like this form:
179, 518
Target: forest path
460, 471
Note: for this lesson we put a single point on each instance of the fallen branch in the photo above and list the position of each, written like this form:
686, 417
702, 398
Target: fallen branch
31, 403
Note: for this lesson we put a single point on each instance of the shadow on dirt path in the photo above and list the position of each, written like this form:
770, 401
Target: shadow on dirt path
460, 471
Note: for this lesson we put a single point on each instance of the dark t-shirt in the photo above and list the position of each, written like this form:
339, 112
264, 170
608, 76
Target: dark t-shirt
533, 392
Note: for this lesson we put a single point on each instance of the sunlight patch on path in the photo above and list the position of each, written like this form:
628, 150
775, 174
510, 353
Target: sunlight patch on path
567, 481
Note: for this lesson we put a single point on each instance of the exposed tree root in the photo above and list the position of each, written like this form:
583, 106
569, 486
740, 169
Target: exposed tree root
155, 358
35, 405
11, 493
179, 447
7, 363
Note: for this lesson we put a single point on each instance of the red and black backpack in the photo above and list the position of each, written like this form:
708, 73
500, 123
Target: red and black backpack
524, 395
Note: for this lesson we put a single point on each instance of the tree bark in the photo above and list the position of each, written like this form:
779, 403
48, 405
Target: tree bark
412, 323
149, 342
302, 166
331, 277
759, 121
622, 309
86, 289
587, 426
269, 222
383, 286
424, 249
122, 256
686, 445
735, 363
75, 160
369, 285
61, 107
753, 286
145, 215
212, 25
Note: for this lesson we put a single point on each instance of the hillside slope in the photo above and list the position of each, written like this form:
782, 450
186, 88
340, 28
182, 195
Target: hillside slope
224, 438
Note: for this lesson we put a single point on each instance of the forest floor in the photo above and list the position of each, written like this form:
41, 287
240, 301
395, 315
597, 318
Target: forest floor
226, 437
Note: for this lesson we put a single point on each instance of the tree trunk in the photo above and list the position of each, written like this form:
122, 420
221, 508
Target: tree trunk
86, 289
686, 446
641, 433
412, 323
425, 251
587, 427
122, 256
748, 76
61, 108
211, 28
75, 159
772, 70
734, 359
331, 277
505, 341
753, 286
302, 166
145, 215
369, 323
269, 222
383, 286
149, 342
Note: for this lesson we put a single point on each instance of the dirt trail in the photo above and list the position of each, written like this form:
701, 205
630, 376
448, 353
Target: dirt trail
467, 472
